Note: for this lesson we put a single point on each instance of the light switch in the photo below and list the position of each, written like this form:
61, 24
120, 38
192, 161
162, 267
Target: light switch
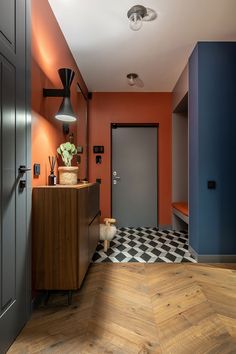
211, 184
36, 169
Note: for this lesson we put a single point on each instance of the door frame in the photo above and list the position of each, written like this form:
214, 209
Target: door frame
137, 125
28, 112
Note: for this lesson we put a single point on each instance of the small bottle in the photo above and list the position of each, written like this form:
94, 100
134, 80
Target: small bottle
52, 179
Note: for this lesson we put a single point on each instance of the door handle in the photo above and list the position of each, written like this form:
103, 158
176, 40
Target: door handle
116, 178
23, 169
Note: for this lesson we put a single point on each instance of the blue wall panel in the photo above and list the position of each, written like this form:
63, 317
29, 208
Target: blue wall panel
212, 131
193, 150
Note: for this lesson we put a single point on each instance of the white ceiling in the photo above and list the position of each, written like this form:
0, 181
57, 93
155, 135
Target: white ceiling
106, 50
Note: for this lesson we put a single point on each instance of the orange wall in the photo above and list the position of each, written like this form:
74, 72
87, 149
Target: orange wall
107, 108
49, 53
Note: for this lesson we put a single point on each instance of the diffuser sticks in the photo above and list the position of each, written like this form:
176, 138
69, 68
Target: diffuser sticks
52, 179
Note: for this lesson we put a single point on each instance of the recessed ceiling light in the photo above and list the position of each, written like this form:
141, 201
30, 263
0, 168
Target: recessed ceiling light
134, 80
131, 78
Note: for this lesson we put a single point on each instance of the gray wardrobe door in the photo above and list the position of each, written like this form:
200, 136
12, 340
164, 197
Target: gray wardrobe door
14, 130
134, 176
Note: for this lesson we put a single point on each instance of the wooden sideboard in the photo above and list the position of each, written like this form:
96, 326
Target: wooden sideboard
65, 234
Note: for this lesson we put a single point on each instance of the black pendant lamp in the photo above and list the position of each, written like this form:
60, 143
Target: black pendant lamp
65, 113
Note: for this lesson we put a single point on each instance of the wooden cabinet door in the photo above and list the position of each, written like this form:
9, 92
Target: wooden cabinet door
55, 238
83, 244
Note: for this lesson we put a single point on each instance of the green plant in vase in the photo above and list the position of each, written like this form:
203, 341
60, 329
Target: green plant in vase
67, 174
67, 151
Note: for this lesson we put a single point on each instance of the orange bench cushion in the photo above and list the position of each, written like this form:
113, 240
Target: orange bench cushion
182, 207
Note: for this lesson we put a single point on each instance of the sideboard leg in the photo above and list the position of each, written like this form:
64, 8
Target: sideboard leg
69, 297
47, 296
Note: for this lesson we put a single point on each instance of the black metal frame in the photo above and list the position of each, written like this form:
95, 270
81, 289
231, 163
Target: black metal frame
87, 97
56, 92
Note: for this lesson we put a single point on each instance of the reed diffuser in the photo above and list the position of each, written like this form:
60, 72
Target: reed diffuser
52, 178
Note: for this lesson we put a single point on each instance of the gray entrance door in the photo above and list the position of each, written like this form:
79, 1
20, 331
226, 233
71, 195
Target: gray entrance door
134, 176
15, 201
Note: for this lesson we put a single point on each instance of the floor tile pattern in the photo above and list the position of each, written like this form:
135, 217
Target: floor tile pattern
145, 245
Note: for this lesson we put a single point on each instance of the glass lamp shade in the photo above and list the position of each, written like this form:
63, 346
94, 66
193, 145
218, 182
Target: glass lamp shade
136, 21
66, 113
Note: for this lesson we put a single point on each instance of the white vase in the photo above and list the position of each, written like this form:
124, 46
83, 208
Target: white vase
68, 175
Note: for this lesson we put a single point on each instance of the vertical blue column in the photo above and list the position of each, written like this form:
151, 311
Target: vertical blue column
212, 148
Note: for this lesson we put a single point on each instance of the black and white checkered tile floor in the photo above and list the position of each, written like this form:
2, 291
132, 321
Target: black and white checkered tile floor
146, 245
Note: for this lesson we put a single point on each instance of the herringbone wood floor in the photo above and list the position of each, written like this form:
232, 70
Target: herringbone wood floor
140, 309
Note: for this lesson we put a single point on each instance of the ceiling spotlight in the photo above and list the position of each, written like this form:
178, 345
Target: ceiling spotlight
131, 78
137, 14
134, 80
